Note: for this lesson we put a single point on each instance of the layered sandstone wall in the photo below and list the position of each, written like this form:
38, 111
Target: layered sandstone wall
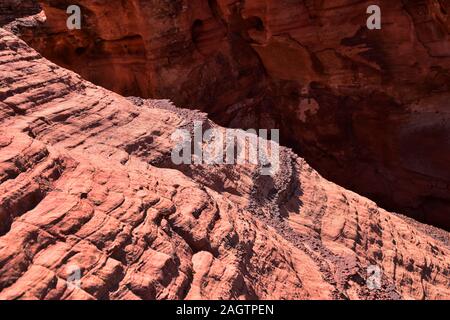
13, 9
86, 183
367, 108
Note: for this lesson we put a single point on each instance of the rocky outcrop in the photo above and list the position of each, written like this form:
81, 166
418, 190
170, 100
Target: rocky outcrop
86, 184
11, 10
368, 109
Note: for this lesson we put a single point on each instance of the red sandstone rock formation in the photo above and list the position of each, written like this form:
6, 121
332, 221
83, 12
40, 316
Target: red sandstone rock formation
368, 109
85, 181
13, 9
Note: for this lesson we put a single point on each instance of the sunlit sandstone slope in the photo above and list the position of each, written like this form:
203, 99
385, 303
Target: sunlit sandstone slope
368, 109
86, 180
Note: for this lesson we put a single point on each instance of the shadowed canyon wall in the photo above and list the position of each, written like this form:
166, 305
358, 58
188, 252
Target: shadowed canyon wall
367, 108
13, 9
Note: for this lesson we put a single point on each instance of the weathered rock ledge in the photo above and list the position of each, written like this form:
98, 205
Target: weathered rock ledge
85, 182
368, 109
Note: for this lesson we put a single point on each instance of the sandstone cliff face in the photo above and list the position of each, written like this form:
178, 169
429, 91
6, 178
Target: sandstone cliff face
13, 9
85, 181
368, 109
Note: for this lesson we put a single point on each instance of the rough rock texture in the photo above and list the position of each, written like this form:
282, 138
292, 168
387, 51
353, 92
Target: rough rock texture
85, 182
13, 9
368, 109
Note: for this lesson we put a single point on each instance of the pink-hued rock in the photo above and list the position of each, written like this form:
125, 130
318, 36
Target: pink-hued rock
86, 182
368, 109
13, 9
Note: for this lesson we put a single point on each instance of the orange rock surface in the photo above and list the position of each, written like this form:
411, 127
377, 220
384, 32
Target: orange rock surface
10, 10
86, 181
368, 109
